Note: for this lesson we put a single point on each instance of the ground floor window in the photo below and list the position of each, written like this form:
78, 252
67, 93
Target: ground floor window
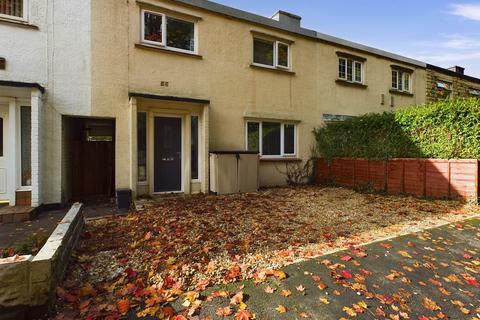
194, 147
26, 142
271, 139
142, 146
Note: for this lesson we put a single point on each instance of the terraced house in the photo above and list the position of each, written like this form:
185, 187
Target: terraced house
99, 95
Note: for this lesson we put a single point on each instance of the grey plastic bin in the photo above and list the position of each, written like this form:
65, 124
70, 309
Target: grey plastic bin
233, 172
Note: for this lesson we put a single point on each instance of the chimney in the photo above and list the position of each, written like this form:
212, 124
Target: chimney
457, 69
287, 19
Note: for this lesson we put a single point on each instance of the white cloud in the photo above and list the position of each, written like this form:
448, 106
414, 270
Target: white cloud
468, 11
460, 42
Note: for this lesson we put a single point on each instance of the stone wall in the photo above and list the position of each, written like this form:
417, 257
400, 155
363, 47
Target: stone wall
460, 85
27, 284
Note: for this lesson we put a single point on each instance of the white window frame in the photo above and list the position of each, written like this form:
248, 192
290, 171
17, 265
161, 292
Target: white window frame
354, 62
401, 79
282, 139
163, 44
275, 44
474, 92
24, 18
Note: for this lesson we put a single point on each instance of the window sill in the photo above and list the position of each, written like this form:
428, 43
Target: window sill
18, 23
273, 69
351, 84
401, 93
166, 50
285, 159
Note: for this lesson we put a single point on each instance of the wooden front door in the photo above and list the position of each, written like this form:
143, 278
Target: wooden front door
167, 154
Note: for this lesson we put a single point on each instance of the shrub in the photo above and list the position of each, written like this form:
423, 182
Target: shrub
444, 129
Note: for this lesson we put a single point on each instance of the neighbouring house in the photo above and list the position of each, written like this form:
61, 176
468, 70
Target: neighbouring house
135, 94
43, 61
450, 83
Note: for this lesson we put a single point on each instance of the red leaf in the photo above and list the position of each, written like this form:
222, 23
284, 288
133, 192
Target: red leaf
346, 258
243, 315
345, 274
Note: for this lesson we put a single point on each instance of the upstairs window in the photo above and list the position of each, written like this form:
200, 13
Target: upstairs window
271, 139
350, 70
474, 93
401, 81
169, 32
443, 89
13, 9
271, 53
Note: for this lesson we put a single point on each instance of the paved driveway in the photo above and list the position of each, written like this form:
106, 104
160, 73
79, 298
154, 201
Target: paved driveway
429, 275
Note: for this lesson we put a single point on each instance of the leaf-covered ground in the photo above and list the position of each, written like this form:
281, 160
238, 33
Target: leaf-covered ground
177, 247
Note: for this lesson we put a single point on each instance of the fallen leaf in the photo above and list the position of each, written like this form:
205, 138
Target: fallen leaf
281, 309
243, 315
224, 311
286, 293
123, 306
430, 304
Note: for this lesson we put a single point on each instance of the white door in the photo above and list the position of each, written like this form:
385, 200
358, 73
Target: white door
4, 189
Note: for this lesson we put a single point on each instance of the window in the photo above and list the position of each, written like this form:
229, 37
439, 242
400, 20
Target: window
173, 33
194, 147
13, 9
350, 70
474, 93
271, 53
401, 80
26, 145
271, 139
443, 89
142, 146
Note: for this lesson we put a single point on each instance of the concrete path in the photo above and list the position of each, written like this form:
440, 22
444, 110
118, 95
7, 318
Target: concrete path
430, 275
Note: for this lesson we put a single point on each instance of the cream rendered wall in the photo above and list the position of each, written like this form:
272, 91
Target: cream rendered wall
224, 76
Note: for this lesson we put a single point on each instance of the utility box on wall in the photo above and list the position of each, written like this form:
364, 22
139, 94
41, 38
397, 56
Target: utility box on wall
233, 172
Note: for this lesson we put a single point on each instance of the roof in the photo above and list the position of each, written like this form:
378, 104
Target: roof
19, 84
261, 20
453, 73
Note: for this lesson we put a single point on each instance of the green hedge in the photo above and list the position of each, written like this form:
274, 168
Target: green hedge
442, 130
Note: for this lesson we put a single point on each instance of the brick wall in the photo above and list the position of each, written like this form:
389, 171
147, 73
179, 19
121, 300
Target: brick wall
460, 86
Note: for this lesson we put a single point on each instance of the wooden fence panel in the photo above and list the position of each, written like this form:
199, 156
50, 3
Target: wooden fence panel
414, 177
361, 172
395, 176
437, 179
377, 174
420, 177
463, 184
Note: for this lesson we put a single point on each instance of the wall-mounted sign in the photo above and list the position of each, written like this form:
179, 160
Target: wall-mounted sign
3, 63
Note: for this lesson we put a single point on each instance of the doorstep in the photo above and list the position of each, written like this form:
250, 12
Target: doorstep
16, 214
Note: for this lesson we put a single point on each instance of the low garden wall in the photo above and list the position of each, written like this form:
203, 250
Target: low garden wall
430, 178
27, 283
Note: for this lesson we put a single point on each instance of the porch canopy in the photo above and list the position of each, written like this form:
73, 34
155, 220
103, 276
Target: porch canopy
179, 164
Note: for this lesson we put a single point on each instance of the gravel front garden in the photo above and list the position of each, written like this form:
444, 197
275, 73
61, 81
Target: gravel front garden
177, 247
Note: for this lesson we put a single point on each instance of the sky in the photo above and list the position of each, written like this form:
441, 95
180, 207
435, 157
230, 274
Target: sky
440, 32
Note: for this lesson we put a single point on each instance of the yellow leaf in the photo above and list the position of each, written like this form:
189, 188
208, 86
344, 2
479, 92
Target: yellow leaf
324, 301
404, 254
280, 275
281, 309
